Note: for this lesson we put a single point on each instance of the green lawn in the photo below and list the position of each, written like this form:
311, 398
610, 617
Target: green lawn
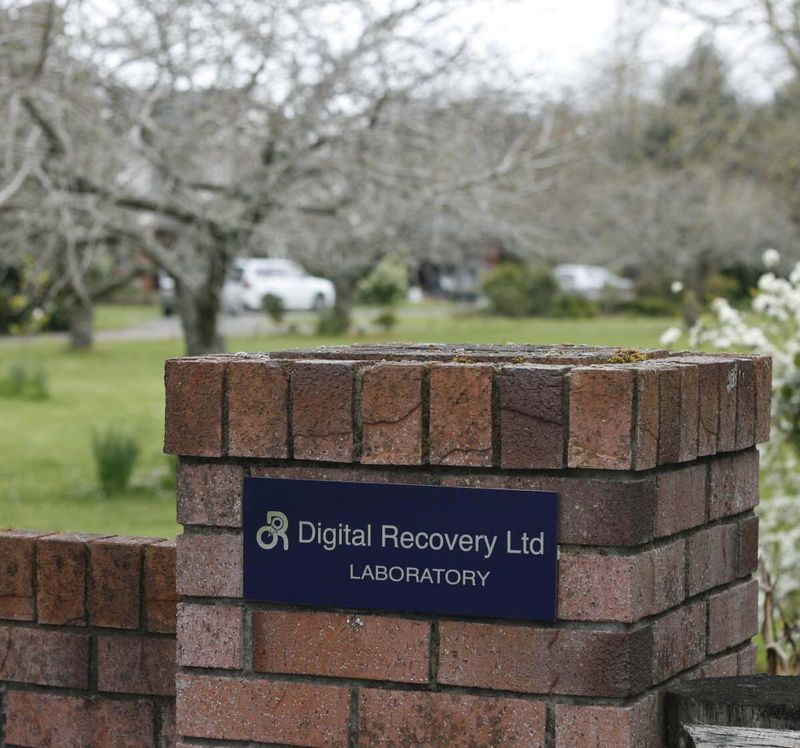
46, 471
121, 316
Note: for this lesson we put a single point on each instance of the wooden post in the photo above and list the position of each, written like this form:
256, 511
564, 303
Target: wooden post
753, 711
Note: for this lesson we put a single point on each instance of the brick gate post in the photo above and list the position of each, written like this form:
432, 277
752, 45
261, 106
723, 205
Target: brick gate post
652, 455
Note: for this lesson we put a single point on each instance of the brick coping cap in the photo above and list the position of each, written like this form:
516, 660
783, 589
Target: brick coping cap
510, 353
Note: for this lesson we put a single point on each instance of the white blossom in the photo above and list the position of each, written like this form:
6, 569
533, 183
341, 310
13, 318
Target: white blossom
771, 257
770, 326
676, 287
670, 336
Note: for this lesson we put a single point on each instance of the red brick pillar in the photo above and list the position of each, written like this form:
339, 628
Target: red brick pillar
653, 458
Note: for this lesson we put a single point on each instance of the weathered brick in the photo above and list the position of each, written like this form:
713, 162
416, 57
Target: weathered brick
645, 452
62, 562
681, 502
532, 428
600, 418
115, 567
710, 370
194, 393
412, 718
679, 640
733, 484
306, 714
340, 645
711, 558
55, 721
46, 657
747, 660
17, 554
669, 412
167, 734
587, 726
763, 387
748, 546
710, 378
732, 616
461, 415
322, 411
531, 659
726, 435
391, 414
209, 565
745, 403
136, 664
210, 636
258, 421
689, 416
594, 587
160, 596
719, 667
210, 494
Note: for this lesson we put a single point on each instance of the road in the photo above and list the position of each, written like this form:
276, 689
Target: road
249, 324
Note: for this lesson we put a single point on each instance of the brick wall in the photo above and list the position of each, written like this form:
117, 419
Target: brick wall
87, 641
657, 473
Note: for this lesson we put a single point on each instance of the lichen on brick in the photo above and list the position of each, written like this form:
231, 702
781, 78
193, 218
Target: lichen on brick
627, 356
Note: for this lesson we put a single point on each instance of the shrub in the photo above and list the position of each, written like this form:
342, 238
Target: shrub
517, 290
648, 305
115, 454
25, 381
273, 306
385, 284
169, 478
771, 325
572, 306
387, 319
333, 321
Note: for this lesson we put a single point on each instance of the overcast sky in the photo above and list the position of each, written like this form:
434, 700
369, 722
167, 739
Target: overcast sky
563, 40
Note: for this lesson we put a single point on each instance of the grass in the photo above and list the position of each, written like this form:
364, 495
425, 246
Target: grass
47, 477
122, 316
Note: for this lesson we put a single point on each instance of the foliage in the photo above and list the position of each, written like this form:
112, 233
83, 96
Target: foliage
386, 284
771, 326
650, 305
169, 478
115, 453
273, 306
333, 321
517, 290
25, 381
387, 319
573, 306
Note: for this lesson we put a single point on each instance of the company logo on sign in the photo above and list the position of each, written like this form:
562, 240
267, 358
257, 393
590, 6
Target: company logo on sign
275, 530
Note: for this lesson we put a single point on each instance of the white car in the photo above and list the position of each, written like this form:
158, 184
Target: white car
252, 279
591, 281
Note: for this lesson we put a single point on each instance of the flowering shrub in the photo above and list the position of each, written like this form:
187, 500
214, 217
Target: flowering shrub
771, 326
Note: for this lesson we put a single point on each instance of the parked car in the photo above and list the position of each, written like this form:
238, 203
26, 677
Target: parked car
592, 281
231, 301
252, 279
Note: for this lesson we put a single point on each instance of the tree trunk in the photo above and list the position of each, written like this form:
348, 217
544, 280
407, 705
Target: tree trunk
199, 313
81, 324
199, 307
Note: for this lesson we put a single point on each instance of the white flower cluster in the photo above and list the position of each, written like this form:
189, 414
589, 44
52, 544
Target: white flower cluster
771, 326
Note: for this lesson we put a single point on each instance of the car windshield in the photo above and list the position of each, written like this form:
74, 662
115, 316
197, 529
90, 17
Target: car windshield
274, 272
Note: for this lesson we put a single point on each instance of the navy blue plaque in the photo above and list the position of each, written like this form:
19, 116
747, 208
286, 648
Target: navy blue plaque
486, 552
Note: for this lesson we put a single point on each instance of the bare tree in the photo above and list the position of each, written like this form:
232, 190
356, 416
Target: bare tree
196, 131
